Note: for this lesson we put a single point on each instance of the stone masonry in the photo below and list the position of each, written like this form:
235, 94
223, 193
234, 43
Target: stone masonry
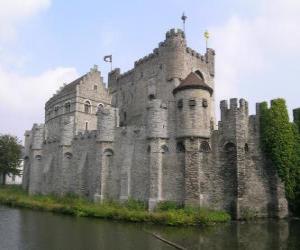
151, 135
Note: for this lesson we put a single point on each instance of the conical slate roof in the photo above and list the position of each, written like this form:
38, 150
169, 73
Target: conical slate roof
193, 81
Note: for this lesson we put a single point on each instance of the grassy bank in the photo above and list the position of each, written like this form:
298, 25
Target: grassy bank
166, 214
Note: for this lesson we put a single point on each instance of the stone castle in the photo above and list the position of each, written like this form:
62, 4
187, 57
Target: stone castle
151, 135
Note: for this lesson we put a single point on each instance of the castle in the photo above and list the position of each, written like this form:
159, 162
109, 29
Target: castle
151, 135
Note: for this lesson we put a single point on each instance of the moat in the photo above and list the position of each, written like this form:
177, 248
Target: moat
27, 229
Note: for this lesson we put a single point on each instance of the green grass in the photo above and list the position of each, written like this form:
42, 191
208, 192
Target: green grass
167, 213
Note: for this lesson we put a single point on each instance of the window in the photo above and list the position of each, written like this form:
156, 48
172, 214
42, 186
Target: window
125, 116
100, 106
151, 97
204, 103
68, 155
86, 126
205, 147
246, 148
87, 107
67, 107
199, 73
180, 148
56, 108
180, 104
192, 103
95, 87
164, 149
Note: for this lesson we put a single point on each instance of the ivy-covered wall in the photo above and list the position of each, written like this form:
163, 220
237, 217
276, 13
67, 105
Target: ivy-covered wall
281, 143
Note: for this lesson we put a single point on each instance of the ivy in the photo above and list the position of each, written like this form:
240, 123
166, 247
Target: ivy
281, 143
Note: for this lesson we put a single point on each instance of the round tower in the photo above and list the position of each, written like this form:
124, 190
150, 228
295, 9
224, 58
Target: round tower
173, 50
193, 107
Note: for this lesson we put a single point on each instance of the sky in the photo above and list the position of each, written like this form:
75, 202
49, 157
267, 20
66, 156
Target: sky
45, 43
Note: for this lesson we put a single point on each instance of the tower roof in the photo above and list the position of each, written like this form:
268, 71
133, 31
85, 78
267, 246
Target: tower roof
193, 81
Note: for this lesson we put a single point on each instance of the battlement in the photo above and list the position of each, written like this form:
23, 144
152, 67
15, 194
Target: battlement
175, 33
235, 108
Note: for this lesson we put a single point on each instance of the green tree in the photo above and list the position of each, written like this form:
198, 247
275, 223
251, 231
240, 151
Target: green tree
10, 156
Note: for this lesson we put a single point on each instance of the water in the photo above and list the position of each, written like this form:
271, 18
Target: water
26, 229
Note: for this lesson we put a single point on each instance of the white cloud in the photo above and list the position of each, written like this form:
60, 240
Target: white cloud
22, 97
21, 93
263, 49
14, 12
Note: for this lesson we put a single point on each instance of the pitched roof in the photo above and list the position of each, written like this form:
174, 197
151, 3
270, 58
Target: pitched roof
193, 81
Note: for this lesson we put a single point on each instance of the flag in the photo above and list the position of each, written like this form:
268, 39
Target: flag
108, 58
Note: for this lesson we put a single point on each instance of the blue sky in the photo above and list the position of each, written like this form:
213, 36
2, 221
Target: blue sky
44, 43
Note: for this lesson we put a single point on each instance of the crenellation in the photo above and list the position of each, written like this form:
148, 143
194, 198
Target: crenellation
151, 135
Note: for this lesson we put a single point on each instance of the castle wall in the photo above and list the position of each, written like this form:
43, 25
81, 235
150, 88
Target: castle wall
141, 143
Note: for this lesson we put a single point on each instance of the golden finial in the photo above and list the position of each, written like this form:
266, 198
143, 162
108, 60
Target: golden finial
206, 36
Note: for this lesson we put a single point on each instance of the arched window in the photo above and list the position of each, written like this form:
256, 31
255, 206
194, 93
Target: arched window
68, 155
230, 147
151, 97
164, 149
67, 107
100, 106
180, 148
205, 147
56, 108
108, 152
87, 107
199, 73
180, 104
38, 157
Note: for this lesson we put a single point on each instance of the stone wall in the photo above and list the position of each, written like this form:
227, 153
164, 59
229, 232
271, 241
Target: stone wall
141, 143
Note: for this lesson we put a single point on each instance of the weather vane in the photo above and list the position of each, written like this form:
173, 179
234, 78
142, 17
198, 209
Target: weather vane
206, 36
183, 18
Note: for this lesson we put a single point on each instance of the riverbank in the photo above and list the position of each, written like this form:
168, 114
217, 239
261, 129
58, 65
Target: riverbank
133, 211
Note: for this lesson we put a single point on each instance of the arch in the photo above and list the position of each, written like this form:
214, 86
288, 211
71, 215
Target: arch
100, 106
180, 104
68, 155
205, 147
180, 148
67, 107
200, 74
151, 97
87, 106
38, 157
230, 147
108, 152
164, 149
56, 108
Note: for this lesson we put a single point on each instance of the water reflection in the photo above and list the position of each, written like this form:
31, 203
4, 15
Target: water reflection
25, 229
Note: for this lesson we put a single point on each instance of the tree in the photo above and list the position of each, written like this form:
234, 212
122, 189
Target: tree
10, 156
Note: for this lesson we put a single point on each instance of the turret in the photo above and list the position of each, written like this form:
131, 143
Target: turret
36, 158
174, 49
193, 107
157, 118
210, 60
107, 122
112, 80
